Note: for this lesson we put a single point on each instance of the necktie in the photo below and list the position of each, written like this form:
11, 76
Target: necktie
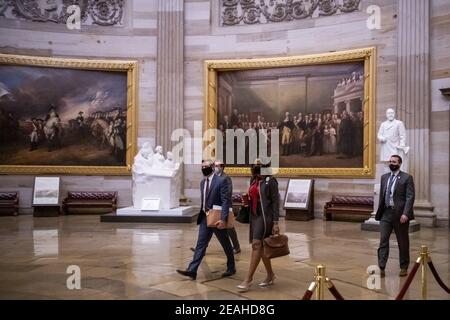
388, 191
206, 194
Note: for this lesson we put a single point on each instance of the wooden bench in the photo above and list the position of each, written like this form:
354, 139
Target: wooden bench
236, 202
95, 202
9, 203
348, 208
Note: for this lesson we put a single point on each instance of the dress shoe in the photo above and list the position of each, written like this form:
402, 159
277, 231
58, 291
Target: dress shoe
187, 273
382, 274
236, 251
228, 273
403, 272
267, 282
244, 286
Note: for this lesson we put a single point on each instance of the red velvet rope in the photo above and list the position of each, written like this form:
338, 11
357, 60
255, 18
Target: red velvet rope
335, 292
408, 281
308, 294
436, 276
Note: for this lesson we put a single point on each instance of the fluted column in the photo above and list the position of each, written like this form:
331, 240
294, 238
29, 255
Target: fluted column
413, 99
169, 74
170, 65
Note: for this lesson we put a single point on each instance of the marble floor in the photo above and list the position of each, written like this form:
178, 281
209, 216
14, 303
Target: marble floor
138, 261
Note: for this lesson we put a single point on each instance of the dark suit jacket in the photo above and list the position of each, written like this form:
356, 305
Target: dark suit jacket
218, 195
230, 185
404, 195
270, 197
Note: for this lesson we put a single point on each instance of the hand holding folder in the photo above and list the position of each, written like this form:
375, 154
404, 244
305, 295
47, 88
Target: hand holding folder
214, 215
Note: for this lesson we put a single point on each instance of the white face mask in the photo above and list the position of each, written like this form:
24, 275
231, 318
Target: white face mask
217, 170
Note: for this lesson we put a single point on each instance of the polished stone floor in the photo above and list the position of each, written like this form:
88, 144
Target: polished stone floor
138, 261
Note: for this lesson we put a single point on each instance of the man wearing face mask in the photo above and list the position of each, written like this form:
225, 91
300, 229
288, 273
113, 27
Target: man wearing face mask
214, 192
219, 167
394, 212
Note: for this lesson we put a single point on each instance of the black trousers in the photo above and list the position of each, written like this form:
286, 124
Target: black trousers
234, 238
204, 236
391, 221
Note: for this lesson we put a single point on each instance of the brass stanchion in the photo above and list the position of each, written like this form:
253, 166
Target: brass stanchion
424, 261
320, 280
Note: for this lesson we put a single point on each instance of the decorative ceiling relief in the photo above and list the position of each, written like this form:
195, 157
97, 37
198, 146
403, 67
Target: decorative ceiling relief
92, 12
245, 12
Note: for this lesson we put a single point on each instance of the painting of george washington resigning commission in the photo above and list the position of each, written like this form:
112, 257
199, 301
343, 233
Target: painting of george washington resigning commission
62, 119
321, 107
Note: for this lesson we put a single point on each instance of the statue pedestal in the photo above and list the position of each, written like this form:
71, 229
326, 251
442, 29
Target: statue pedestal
166, 188
130, 214
372, 225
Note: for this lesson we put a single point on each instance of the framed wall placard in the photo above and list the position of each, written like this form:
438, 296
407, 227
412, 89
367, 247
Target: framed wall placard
297, 194
46, 191
150, 204
299, 199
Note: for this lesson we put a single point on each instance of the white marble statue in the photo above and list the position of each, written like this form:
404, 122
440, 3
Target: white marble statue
392, 136
158, 158
169, 163
144, 159
156, 177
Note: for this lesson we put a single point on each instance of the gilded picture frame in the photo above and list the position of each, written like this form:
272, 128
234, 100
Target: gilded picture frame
364, 56
127, 70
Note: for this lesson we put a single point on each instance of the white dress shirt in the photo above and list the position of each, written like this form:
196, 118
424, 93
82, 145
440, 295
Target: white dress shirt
391, 192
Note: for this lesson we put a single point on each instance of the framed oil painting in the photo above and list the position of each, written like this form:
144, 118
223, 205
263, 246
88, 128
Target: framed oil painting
67, 116
318, 110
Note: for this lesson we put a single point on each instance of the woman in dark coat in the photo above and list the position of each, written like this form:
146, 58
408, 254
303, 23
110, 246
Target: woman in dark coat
264, 212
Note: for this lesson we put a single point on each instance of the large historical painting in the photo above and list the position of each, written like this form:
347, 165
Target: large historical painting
64, 119
322, 107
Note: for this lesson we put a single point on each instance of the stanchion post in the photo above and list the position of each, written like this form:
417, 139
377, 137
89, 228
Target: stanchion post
320, 280
424, 261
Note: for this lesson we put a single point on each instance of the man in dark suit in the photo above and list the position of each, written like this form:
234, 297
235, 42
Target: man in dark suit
219, 171
219, 167
214, 192
394, 212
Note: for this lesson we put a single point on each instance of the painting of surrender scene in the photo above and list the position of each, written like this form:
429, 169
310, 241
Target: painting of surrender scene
62, 117
318, 110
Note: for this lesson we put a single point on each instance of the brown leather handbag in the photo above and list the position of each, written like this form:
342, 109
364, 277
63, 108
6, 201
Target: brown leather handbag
276, 246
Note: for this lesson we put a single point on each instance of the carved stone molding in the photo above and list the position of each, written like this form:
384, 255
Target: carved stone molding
242, 12
99, 12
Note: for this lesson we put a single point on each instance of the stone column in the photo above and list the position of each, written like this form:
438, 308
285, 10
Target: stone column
170, 65
169, 74
413, 99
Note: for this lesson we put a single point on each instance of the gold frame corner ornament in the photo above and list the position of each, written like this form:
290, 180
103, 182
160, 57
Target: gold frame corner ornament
365, 55
128, 66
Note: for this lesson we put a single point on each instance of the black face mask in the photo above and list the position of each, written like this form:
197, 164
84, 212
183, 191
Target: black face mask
394, 167
256, 170
207, 171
